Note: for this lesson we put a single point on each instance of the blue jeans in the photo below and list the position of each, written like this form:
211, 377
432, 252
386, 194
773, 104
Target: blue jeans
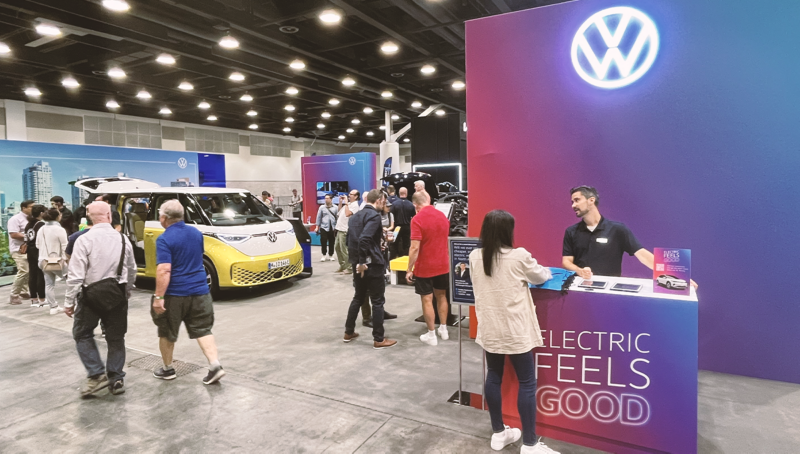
526, 399
116, 324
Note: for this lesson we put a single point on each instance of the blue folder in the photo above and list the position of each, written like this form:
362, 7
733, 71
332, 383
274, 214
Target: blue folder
560, 281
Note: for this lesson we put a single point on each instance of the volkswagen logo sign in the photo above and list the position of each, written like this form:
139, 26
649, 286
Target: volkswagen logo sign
182, 163
272, 237
352, 161
615, 47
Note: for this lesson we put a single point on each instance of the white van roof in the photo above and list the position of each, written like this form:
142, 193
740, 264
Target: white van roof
122, 185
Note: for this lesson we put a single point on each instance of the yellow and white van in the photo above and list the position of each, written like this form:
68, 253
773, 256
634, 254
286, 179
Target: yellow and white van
246, 242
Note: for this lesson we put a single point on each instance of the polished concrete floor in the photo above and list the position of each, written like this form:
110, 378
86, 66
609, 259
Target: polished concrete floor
293, 386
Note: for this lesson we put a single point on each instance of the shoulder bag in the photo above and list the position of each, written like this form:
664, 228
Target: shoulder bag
52, 262
106, 294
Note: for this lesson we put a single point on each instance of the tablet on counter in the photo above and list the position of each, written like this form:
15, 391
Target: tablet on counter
593, 284
632, 288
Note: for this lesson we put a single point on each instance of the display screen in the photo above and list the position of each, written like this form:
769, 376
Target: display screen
593, 284
332, 188
626, 287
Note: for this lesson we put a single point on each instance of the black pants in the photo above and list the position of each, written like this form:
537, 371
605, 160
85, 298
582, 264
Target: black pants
526, 397
35, 277
116, 322
403, 241
327, 240
373, 286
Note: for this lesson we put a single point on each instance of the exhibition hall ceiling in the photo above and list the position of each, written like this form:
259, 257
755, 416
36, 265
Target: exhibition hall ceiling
306, 68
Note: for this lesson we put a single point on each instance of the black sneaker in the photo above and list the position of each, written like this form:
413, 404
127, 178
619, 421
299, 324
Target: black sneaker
168, 374
213, 376
118, 387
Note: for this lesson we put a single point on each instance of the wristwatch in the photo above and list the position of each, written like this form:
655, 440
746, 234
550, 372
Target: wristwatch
158, 297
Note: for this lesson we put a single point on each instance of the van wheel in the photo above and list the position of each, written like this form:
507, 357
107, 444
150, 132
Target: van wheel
211, 278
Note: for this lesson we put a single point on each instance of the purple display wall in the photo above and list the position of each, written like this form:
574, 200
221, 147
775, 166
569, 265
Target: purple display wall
357, 169
701, 153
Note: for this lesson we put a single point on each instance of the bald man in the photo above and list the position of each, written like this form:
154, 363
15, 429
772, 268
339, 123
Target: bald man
402, 210
419, 186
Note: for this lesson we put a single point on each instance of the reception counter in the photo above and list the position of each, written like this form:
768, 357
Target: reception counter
618, 371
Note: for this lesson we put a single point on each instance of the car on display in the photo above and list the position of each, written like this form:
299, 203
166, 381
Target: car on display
671, 282
246, 242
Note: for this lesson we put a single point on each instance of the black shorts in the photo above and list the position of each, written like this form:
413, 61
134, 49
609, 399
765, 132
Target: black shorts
196, 312
426, 285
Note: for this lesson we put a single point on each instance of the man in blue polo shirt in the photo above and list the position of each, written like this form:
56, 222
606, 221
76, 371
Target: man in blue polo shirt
182, 293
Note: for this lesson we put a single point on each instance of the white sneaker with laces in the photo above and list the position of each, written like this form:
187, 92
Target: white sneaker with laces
505, 438
323, 259
429, 338
538, 448
56, 310
443, 332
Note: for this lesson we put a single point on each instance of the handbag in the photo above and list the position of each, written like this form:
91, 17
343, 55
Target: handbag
53, 262
106, 294
24, 248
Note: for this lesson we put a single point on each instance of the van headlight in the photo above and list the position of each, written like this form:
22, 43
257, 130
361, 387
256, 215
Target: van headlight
230, 239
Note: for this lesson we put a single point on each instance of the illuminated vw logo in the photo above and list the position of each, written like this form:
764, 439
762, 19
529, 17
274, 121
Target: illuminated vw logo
182, 163
352, 161
634, 33
272, 237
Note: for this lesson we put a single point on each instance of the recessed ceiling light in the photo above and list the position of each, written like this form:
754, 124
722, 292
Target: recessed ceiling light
289, 107
297, 64
406, 140
33, 91
290, 29
386, 94
350, 130
253, 126
4, 49
165, 111
440, 112
326, 115
116, 73
333, 102
212, 118
382, 127
70, 82
166, 59
389, 48
292, 91
186, 86
48, 30
321, 126
204, 105
289, 120
341, 137
229, 42
368, 110
370, 133
236, 76
112, 105
330, 16
144, 94
246, 98
459, 85
348, 81
427, 69
395, 117
416, 104
252, 113
119, 6
287, 129
355, 121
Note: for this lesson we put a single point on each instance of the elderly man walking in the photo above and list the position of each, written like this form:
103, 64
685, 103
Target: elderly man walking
102, 253
182, 293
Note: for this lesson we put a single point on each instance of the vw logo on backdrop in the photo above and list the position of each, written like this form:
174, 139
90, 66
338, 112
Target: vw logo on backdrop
272, 237
352, 161
600, 44
182, 163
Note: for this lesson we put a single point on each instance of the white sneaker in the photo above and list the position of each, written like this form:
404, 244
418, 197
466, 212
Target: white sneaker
429, 338
505, 438
443, 332
538, 448
56, 310
323, 259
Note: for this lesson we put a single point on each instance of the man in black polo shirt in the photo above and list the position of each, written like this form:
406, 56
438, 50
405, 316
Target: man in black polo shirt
596, 244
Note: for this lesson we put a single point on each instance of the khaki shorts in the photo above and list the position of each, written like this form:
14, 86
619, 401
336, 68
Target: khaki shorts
196, 313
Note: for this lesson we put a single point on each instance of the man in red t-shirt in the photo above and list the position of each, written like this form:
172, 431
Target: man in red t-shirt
429, 264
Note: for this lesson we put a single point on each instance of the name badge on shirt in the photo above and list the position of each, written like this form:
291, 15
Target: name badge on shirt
602, 240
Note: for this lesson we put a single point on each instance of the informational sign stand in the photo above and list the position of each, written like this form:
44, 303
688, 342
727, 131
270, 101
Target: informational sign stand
672, 271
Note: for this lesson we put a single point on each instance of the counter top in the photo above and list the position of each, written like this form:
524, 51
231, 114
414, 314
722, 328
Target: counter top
645, 292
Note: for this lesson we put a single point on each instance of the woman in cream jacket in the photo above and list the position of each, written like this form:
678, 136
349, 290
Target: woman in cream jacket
51, 242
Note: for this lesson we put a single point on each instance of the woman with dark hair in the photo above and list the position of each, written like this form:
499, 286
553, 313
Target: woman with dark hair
35, 275
507, 325
52, 244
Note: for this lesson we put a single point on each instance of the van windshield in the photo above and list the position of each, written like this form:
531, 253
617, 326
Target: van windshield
235, 208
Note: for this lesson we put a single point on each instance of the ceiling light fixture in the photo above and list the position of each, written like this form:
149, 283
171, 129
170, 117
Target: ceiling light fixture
287, 129
389, 48
386, 94
427, 69
33, 91
368, 110
246, 98
350, 130
289, 120
4, 49
186, 86
395, 117
355, 121
321, 126
165, 111
459, 85
330, 16
119, 6
382, 127
116, 73
406, 140
144, 94
253, 126
236, 76
48, 30
370, 133
348, 81
326, 115
252, 113
166, 59
341, 137
70, 82
212, 118
112, 105
203, 105
292, 91
440, 112
297, 64
416, 104
289, 108
229, 42
333, 102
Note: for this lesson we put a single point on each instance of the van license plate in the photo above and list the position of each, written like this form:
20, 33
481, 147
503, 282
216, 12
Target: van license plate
278, 264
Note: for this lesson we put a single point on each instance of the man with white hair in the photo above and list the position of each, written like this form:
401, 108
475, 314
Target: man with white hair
419, 186
182, 293
95, 257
